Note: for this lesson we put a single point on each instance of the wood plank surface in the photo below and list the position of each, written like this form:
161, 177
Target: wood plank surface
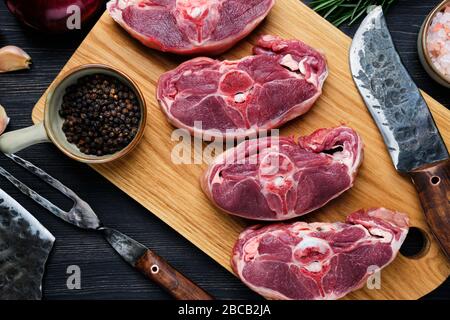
172, 191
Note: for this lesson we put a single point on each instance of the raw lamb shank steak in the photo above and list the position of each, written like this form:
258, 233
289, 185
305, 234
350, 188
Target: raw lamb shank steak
189, 26
304, 261
233, 99
278, 178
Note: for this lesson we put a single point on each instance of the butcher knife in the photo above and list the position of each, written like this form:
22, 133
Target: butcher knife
25, 245
133, 252
406, 124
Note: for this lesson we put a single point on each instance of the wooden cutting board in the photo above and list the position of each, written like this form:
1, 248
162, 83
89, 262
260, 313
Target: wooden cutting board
172, 192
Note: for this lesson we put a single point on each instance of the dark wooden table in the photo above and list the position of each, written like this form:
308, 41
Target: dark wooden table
103, 273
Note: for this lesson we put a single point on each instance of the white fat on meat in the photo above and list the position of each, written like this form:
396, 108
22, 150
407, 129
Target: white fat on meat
251, 249
301, 65
385, 236
289, 62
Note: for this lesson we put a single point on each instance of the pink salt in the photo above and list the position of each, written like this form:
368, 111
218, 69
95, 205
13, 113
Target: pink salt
438, 41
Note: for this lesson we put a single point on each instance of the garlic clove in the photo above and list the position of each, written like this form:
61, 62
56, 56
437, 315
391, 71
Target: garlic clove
4, 120
13, 58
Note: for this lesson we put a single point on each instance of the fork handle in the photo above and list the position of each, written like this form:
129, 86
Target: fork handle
166, 276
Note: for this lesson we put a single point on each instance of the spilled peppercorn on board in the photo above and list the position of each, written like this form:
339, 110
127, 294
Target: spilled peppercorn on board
172, 192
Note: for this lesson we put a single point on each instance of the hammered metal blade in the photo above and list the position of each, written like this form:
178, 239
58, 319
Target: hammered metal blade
392, 98
129, 249
24, 248
81, 214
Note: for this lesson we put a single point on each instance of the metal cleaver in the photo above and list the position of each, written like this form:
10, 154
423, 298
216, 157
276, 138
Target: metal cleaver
24, 248
406, 124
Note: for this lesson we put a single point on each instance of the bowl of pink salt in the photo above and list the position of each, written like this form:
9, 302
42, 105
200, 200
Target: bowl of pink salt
434, 43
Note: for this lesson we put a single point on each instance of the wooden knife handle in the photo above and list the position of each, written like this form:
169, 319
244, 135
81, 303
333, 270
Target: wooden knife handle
433, 185
160, 271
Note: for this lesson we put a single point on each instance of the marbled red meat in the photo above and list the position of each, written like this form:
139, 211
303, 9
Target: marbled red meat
278, 178
318, 261
189, 26
233, 99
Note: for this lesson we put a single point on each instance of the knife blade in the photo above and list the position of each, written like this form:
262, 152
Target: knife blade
135, 253
25, 245
404, 120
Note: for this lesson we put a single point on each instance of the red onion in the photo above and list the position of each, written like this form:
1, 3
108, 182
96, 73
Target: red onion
53, 15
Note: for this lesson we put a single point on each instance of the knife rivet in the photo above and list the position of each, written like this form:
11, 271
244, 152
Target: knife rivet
435, 180
154, 269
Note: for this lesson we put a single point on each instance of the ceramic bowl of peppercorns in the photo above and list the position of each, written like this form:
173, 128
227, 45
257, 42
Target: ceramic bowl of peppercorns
95, 114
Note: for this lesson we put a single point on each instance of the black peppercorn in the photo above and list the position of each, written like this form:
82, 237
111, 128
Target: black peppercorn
101, 114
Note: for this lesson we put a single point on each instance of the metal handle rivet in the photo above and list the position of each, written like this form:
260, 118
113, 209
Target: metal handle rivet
154, 269
435, 180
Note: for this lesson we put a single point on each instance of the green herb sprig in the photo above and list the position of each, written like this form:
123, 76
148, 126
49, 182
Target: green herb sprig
346, 11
